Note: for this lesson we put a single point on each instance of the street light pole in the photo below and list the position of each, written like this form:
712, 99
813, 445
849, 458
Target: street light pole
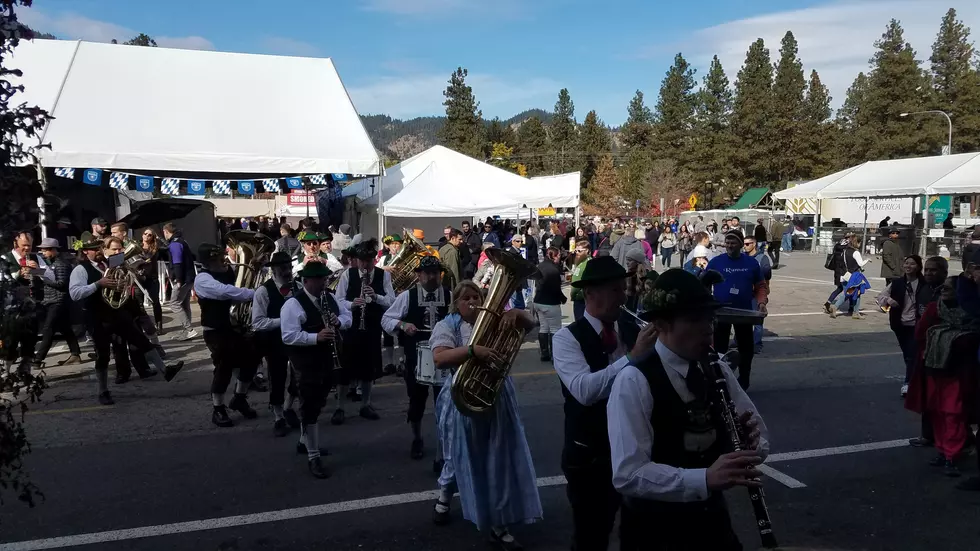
949, 151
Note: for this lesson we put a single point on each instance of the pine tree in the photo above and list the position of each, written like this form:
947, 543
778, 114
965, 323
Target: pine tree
141, 40
956, 81
600, 196
897, 85
563, 133
532, 146
498, 132
594, 144
463, 129
637, 132
816, 131
713, 146
637, 137
751, 118
787, 113
674, 113
852, 149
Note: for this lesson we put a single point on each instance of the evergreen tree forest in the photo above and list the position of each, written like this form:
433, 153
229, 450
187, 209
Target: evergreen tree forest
766, 124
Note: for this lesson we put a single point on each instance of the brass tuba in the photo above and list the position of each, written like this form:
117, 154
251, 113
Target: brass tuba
403, 264
252, 250
117, 296
476, 384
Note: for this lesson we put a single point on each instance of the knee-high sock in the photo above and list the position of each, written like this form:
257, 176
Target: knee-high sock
290, 399
218, 399
312, 441
240, 387
366, 392
302, 434
153, 356
277, 412
102, 376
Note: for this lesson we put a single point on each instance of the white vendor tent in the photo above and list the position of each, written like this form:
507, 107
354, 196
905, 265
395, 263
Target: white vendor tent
189, 111
962, 181
809, 189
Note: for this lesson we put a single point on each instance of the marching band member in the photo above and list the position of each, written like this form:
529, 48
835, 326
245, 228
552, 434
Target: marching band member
84, 286
666, 434
486, 457
326, 252
412, 317
310, 322
230, 348
310, 242
588, 354
267, 304
366, 291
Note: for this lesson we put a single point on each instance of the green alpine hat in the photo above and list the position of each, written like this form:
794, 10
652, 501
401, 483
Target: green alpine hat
306, 236
314, 269
88, 242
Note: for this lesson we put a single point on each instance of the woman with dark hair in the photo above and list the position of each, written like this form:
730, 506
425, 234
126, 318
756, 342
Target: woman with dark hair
907, 298
151, 275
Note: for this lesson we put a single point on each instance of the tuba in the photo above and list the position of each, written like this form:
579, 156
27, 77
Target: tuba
403, 264
476, 384
252, 250
117, 296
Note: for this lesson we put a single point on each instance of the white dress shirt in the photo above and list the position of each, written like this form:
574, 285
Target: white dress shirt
78, 286
48, 271
385, 301
209, 288
394, 315
631, 434
260, 308
293, 316
585, 386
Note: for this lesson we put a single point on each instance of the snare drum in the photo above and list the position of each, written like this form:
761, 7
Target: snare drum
426, 372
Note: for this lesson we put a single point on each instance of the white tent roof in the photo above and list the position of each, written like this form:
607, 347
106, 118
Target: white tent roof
160, 109
809, 189
561, 190
439, 191
964, 180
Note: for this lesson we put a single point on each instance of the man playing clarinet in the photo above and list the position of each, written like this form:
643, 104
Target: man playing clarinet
311, 322
412, 317
671, 449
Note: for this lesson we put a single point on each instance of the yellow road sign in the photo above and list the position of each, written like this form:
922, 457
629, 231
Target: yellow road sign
693, 200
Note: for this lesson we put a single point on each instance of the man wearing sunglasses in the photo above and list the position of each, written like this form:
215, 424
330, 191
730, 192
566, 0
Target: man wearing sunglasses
751, 247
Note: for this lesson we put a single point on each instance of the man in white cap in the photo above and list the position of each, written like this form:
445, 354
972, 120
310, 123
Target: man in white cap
697, 260
57, 305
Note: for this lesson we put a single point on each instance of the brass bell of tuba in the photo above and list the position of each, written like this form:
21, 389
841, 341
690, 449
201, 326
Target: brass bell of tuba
117, 296
252, 251
403, 264
476, 383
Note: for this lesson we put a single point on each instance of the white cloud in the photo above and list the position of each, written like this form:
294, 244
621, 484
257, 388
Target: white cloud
74, 26
282, 45
836, 39
421, 95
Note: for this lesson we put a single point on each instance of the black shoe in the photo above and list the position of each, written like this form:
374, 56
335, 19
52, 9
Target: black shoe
971, 484
92, 356
368, 412
437, 465
937, 461
122, 379
511, 545
338, 417
440, 518
301, 449
239, 403
920, 442
950, 469
291, 418
106, 399
149, 374
416, 452
220, 417
318, 469
826, 307
390, 369
172, 370
280, 428
258, 383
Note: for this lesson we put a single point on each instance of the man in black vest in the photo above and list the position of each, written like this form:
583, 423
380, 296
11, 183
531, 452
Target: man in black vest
588, 354
230, 347
22, 266
311, 320
671, 455
412, 316
267, 304
366, 291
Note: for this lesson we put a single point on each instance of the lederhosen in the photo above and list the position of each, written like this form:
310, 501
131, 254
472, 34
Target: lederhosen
272, 349
313, 365
362, 349
586, 459
417, 315
26, 340
651, 525
230, 348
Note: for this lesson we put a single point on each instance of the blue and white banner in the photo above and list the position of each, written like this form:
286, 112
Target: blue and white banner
92, 176
65, 173
221, 187
144, 183
294, 183
318, 179
170, 186
339, 177
271, 185
119, 180
246, 187
196, 187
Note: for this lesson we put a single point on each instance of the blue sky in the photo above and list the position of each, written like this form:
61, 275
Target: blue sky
395, 56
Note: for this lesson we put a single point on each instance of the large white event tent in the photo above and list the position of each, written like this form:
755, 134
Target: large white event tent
440, 187
192, 113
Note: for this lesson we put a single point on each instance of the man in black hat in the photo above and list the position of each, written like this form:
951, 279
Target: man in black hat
366, 291
230, 347
412, 317
669, 445
588, 354
311, 320
100, 228
57, 304
267, 304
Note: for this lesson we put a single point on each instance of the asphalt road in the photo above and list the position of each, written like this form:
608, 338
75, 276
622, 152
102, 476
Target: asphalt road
152, 473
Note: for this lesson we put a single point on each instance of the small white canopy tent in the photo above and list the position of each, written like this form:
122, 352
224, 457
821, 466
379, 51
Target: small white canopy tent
895, 177
810, 189
962, 181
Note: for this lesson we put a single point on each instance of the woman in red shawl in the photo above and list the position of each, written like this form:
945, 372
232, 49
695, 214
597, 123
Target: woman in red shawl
944, 373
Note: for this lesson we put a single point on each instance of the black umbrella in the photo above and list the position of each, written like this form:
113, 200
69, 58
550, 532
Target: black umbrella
158, 211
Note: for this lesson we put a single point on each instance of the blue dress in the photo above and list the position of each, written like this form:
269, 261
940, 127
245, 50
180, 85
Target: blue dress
487, 457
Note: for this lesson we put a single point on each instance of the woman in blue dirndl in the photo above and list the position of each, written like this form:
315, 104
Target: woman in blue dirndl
487, 458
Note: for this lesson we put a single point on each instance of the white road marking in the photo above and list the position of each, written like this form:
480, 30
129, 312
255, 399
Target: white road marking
371, 503
826, 282
781, 477
824, 452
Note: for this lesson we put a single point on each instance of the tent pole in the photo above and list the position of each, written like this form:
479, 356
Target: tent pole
816, 229
306, 192
925, 225
41, 179
864, 239
381, 207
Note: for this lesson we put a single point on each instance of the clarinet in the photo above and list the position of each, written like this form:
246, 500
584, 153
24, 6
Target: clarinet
360, 325
726, 411
328, 321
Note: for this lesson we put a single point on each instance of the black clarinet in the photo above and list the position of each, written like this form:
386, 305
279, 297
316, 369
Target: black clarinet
330, 320
725, 409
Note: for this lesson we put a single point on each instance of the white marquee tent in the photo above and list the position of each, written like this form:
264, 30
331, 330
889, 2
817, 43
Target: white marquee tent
168, 110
